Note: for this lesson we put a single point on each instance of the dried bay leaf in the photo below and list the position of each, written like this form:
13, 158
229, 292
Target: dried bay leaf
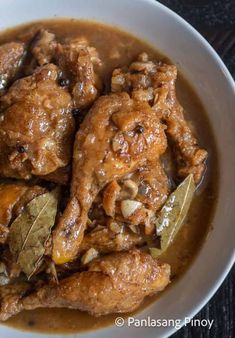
30, 231
173, 213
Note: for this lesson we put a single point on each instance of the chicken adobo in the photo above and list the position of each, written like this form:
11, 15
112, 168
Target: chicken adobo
37, 125
97, 161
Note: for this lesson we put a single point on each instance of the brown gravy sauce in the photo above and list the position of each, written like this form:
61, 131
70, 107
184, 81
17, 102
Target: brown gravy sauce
117, 48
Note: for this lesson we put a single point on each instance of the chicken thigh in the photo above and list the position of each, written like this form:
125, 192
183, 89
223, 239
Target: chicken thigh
36, 125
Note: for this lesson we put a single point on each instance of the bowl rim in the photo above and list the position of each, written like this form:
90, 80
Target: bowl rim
216, 283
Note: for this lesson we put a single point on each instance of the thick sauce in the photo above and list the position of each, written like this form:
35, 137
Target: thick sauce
117, 48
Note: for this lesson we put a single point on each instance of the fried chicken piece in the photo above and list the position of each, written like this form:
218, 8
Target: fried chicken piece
36, 125
78, 61
155, 83
115, 283
13, 198
11, 57
108, 146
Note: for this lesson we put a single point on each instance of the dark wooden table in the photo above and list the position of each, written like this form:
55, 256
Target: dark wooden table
215, 20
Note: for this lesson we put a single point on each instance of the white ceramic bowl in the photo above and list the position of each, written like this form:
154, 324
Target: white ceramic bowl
203, 68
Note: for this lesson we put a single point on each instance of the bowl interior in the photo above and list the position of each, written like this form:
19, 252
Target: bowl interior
171, 35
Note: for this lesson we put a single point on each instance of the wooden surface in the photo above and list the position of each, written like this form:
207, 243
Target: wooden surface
215, 20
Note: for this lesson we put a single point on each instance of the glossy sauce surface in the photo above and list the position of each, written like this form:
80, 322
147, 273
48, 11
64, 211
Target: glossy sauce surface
116, 49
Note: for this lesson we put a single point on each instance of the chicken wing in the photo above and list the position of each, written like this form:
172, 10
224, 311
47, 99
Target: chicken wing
155, 83
115, 283
11, 57
36, 125
108, 146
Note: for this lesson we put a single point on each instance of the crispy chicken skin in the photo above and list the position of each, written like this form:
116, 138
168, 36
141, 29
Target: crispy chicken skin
13, 198
78, 61
114, 283
108, 146
155, 83
36, 125
11, 56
